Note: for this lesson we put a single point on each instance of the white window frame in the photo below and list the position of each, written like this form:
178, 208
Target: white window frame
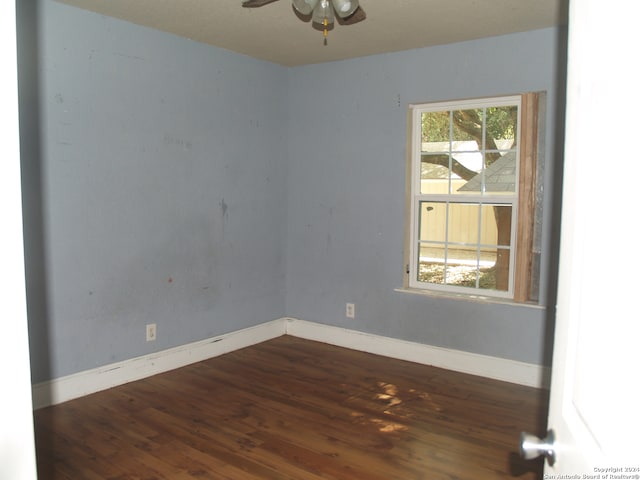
415, 195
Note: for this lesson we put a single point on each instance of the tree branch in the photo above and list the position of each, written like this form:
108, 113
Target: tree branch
456, 167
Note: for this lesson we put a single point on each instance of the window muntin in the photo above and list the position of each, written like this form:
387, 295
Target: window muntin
465, 162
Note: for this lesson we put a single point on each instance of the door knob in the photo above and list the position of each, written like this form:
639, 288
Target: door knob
532, 447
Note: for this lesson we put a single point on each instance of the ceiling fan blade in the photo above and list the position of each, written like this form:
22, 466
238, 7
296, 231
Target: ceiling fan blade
256, 3
304, 18
355, 17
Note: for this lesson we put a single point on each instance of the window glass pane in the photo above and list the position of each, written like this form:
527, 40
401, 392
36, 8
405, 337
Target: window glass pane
434, 174
489, 226
466, 165
500, 173
432, 221
464, 220
472, 181
435, 148
467, 126
431, 264
435, 131
487, 269
501, 127
502, 217
501, 270
494, 260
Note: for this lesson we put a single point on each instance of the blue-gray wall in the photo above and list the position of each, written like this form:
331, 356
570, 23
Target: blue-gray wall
180, 184
163, 185
347, 164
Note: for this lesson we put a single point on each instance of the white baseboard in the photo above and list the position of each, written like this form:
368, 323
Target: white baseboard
90, 381
486, 366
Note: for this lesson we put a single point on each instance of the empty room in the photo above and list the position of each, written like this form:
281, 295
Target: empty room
290, 241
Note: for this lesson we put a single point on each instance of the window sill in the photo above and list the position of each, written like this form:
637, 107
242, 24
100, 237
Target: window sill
469, 298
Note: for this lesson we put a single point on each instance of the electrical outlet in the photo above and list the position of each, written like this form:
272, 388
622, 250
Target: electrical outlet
151, 332
351, 310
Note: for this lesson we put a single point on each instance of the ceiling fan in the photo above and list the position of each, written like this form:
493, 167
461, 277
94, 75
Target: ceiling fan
321, 12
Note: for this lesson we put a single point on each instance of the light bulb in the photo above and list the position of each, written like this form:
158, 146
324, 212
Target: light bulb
323, 10
344, 8
305, 7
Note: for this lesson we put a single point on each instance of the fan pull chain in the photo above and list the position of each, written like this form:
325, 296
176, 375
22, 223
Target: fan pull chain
326, 32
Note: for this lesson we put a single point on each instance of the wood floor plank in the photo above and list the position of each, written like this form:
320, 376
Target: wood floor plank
293, 409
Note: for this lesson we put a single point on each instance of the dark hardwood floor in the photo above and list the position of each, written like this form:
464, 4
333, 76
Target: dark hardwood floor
294, 409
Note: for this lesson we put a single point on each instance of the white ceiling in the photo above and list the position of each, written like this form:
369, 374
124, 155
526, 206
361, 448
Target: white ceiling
274, 33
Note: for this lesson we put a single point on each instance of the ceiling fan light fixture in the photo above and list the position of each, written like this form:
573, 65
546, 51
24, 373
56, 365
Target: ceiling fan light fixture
305, 7
344, 8
323, 13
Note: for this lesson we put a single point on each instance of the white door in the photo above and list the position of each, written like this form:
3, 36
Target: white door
17, 450
594, 405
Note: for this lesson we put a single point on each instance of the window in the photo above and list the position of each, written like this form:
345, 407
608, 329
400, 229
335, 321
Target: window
473, 197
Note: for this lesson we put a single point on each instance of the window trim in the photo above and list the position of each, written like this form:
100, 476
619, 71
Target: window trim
522, 245
527, 181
